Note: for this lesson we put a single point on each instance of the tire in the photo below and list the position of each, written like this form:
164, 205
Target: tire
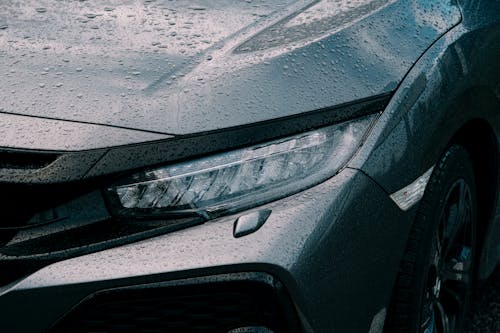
434, 286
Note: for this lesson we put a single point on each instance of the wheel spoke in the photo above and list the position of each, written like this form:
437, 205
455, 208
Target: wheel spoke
457, 222
428, 322
463, 202
452, 294
459, 267
448, 222
442, 319
429, 325
464, 214
455, 263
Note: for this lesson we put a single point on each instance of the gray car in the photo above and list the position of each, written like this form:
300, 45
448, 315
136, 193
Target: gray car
258, 166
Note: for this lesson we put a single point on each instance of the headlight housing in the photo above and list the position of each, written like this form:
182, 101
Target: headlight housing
231, 181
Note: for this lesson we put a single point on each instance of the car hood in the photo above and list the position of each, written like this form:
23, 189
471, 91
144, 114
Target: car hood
185, 67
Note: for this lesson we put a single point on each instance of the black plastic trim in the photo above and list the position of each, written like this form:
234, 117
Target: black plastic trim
14, 159
148, 155
288, 321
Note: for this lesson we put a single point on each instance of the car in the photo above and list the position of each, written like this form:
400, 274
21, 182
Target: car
247, 166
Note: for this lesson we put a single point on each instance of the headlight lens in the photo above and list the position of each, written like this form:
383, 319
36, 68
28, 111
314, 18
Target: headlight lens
242, 178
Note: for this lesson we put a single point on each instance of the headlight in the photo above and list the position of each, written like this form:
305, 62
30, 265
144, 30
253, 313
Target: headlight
231, 181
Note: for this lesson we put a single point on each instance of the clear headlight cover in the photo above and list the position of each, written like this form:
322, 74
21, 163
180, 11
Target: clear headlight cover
243, 178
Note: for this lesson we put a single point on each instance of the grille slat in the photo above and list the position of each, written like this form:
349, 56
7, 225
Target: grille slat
214, 308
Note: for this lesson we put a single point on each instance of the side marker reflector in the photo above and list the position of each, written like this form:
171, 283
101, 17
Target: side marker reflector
409, 195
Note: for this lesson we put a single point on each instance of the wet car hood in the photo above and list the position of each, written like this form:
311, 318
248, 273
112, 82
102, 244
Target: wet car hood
184, 67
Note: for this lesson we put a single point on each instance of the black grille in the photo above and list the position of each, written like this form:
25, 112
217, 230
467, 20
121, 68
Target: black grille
213, 308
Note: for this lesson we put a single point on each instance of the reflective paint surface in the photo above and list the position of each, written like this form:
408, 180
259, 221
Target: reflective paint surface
183, 67
154, 83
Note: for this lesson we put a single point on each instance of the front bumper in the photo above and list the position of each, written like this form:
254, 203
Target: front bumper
334, 248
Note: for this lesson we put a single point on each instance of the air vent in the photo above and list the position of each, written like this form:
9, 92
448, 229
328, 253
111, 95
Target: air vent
207, 308
25, 160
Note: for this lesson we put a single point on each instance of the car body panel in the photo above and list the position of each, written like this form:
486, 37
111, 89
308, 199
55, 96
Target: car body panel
326, 231
336, 247
63, 136
458, 76
61, 67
